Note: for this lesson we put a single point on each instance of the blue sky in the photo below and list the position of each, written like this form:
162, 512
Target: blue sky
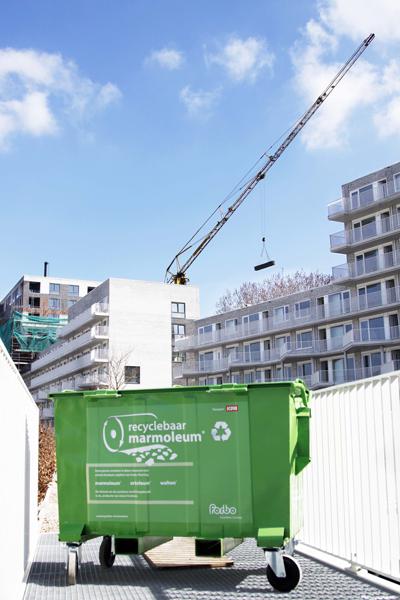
123, 125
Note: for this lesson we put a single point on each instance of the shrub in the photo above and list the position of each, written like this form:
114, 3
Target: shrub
47, 458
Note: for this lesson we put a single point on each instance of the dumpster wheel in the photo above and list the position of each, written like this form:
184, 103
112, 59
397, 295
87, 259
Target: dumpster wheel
106, 554
72, 565
293, 575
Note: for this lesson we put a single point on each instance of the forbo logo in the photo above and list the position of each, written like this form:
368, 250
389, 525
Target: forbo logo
223, 510
221, 432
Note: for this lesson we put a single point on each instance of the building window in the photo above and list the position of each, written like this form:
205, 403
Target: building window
369, 296
34, 286
250, 323
248, 377
252, 352
205, 333
178, 309
178, 330
54, 288
302, 309
178, 357
236, 378
339, 303
367, 262
281, 313
397, 182
364, 229
304, 339
287, 372
304, 370
54, 303
34, 302
373, 329
232, 354
372, 364
90, 288
206, 361
73, 290
337, 333
282, 344
132, 374
71, 303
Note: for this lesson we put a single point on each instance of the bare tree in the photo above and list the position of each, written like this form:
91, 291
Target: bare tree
116, 369
251, 292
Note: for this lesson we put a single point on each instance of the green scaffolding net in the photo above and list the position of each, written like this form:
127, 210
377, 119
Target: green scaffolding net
31, 333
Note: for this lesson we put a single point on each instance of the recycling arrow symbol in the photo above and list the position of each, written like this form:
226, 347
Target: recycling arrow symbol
221, 432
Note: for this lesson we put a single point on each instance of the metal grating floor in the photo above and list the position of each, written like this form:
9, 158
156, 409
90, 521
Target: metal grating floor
134, 579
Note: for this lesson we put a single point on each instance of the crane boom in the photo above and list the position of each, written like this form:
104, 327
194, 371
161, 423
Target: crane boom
180, 276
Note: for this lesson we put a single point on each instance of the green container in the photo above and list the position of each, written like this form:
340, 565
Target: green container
206, 462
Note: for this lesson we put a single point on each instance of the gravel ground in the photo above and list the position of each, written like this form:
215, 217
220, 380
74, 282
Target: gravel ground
48, 509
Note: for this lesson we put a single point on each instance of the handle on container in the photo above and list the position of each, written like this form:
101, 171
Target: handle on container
237, 388
108, 395
303, 414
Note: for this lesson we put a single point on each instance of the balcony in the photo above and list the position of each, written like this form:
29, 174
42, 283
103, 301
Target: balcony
94, 312
62, 349
339, 209
371, 265
317, 313
341, 240
355, 337
92, 381
324, 378
91, 359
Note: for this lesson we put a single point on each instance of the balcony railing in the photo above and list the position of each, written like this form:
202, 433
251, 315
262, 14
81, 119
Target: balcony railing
92, 380
326, 377
68, 368
99, 309
343, 307
62, 349
367, 232
346, 205
368, 265
367, 335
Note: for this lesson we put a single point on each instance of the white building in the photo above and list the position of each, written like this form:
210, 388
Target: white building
122, 332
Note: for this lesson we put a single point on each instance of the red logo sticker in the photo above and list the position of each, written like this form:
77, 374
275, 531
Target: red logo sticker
232, 408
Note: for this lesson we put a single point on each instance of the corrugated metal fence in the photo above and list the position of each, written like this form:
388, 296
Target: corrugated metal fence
352, 488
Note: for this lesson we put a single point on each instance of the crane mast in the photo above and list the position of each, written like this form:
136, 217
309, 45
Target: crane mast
179, 277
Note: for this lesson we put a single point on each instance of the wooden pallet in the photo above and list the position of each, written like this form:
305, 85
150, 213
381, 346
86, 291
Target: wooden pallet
179, 553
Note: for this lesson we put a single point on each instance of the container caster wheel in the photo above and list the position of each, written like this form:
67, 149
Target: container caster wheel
292, 578
106, 554
72, 565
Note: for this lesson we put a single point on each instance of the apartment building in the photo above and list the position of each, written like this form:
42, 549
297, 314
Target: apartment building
34, 309
346, 330
122, 334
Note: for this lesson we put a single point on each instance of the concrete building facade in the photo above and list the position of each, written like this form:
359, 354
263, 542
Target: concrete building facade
346, 330
122, 334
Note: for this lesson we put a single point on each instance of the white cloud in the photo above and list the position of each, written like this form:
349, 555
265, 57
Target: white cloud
358, 18
387, 121
38, 89
243, 59
199, 103
167, 58
369, 89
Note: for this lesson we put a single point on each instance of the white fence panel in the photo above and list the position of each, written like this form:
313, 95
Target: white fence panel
19, 423
352, 487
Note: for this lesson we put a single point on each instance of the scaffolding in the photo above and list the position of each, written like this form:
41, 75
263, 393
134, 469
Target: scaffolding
24, 335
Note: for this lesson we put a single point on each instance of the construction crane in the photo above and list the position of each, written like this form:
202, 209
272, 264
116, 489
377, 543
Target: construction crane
179, 276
